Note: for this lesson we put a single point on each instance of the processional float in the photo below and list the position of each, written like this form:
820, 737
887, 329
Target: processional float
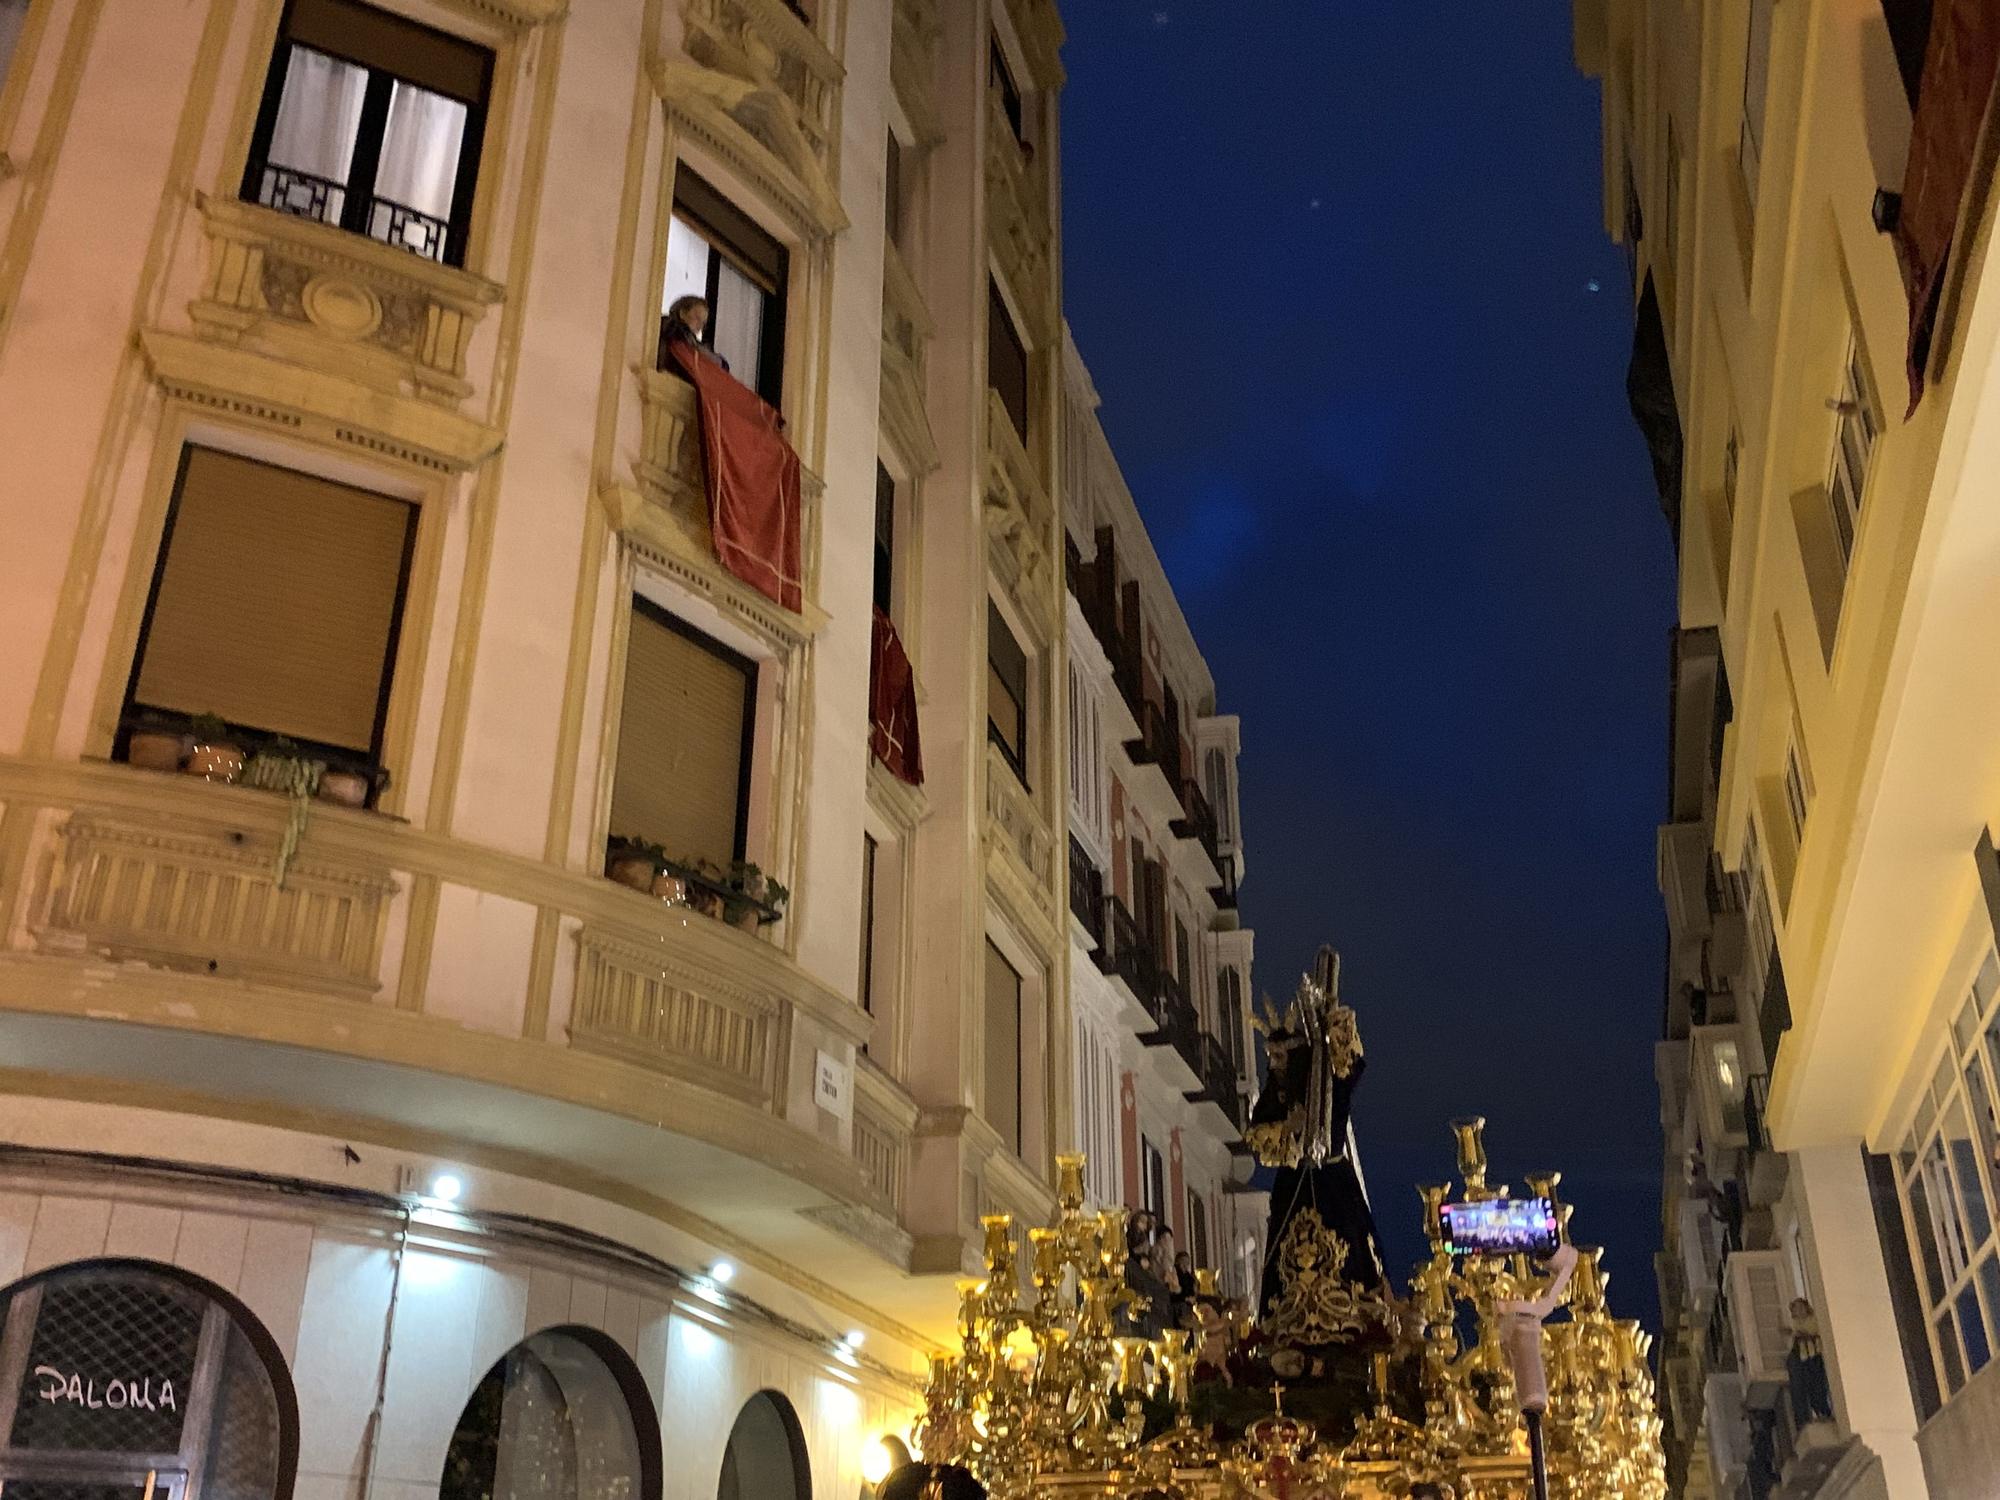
1336, 1388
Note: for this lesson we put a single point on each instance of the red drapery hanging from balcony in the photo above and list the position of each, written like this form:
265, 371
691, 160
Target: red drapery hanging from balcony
1960, 64
892, 705
752, 479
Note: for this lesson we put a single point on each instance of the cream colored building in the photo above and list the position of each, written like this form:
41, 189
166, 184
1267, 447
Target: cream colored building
1159, 959
422, 1157
1832, 1053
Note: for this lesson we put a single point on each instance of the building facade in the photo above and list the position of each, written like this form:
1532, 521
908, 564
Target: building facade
1804, 195
1159, 959
376, 621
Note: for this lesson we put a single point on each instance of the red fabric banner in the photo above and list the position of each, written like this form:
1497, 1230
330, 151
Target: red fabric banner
752, 479
1960, 63
892, 705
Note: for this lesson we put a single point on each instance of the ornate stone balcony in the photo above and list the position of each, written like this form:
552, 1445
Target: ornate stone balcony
912, 47
302, 320
885, 1119
767, 45
1017, 831
906, 335
1019, 520
666, 515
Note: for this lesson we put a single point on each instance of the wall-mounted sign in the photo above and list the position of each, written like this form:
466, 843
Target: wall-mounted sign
833, 1080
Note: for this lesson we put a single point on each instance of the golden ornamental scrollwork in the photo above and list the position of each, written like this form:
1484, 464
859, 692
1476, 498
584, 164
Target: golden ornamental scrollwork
1315, 1303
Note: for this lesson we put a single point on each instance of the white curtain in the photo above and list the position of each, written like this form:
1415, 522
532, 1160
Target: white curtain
687, 263
420, 150
319, 116
13, 13
739, 323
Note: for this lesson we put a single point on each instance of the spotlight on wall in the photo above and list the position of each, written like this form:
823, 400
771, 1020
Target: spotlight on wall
446, 1187
883, 1456
722, 1272
852, 1339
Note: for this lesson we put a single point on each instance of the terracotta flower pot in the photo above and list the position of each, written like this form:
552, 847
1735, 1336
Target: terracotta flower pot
215, 762
708, 903
156, 749
348, 788
670, 888
635, 870
746, 918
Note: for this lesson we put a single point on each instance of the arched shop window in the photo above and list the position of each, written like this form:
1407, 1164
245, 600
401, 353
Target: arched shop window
127, 1380
766, 1456
563, 1415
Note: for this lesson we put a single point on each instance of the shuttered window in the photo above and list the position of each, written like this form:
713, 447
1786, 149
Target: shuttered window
683, 777
276, 603
1006, 361
1003, 1047
1006, 692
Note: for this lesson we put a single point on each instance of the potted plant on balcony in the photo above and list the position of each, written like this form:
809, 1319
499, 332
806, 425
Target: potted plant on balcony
759, 897
280, 766
706, 888
351, 783
633, 861
156, 744
214, 755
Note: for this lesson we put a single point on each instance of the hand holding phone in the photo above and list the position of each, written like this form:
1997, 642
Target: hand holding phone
1500, 1226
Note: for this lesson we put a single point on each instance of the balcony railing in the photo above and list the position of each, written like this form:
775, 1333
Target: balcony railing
291, 191
1125, 955
1198, 822
1217, 1069
1157, 744
1086, 891
1179, 1023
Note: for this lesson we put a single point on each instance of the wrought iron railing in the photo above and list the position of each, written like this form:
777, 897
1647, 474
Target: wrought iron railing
1756, 1110
1157, 745
1179, 1022
1086, 891
1218, 1078
1198, 819
307, 196
1125, 955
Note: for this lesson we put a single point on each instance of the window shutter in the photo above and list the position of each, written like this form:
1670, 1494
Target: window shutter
1003, 1047
277, 601
682, 742
376, 39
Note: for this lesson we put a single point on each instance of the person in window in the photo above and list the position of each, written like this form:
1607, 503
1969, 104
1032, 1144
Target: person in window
685, 322
1805, 1368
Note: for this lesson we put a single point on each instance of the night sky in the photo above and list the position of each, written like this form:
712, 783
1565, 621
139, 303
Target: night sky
1329, 262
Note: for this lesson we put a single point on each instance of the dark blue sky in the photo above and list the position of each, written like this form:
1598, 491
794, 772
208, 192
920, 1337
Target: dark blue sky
1328, 262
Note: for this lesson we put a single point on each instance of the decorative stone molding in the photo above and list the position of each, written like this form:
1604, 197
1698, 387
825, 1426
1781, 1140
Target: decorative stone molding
338, 302
648, 1003
762, 92
1041, 33
1016, 828
665, 517
906, 334
912, 50
1017, 224
516, 15
1019, 521
201, 896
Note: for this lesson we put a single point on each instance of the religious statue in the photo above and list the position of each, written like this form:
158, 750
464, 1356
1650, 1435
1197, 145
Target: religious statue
1323, 1276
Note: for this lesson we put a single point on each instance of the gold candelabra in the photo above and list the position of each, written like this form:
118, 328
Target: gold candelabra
1052, 1392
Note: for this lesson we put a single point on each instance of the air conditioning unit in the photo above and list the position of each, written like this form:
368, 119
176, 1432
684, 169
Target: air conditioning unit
1758, 1293
1728, 1430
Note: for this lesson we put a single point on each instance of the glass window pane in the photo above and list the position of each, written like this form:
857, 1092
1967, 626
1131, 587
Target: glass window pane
1984, 1125
1973, 1326
319, 117
1989, 1287
13, 15
1965, 1026
739, 323
1924, 1224
1988, 981
1954, 1366
1971, 1173
420, 150
1941, 1081
687, 263
1944, 1210
1729, 1084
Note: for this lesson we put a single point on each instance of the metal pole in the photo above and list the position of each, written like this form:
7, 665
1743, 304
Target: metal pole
1537, 1453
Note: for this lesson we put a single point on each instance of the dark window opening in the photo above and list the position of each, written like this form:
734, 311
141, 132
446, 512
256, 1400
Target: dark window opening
372, 123
1006, 360
1006, 692
885, 538
869, 850
718, 253
1001, 78
1004, 1103
1910, 34
892, 192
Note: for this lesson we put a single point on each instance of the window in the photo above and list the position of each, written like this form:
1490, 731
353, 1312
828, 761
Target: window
1756, 908
1229, 987
276, 605
1003, 1105
373, 123
127, 1378
1216, 766
1732, 453
1006, 360
1086, 754
892, 193
1153, 1180
1006, 692
1197, 1228
1182, 969
13, 16
718, 253
684, 741
766, 1458
1853, 445
885, 539
1796, 796
566, 1407
865, 987
1000, 78
1671, 217
1946, 1169
1756, 81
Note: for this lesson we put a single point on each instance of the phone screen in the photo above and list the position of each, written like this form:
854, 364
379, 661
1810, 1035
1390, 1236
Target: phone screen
1500, 1226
